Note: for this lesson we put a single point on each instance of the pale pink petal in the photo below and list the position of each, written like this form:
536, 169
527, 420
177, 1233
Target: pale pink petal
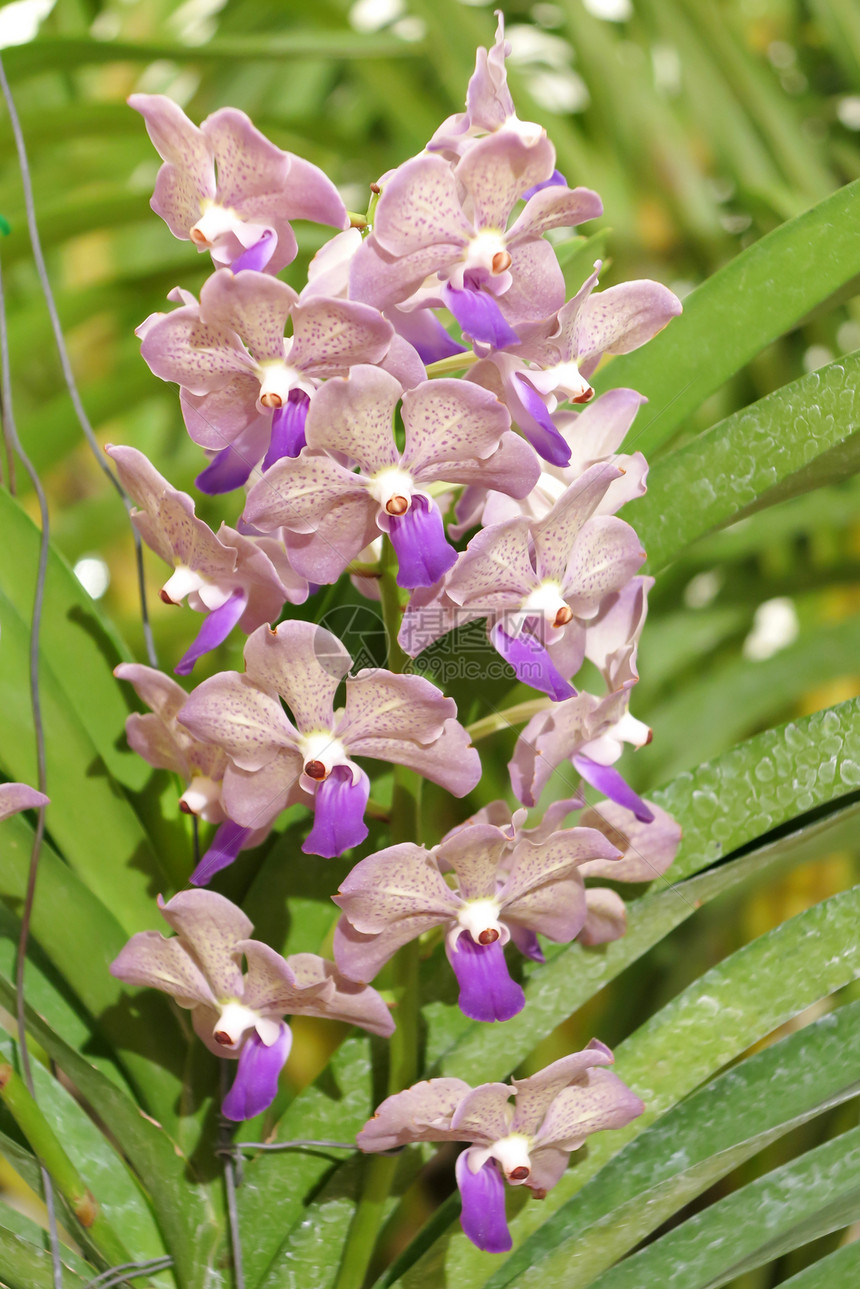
15, 797
354, 415
605, 918
496, 171
474, 852
647, 850
341, 999
332, 335
555, 208
231, 711
535, 1095
450, 421
383, 705
253, 305
154, 962
303, 663
419, 207
210, 926
420, 1113
622, 318
484, 1114
602, 1102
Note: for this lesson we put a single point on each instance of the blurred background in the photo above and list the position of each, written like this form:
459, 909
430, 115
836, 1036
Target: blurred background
704, 124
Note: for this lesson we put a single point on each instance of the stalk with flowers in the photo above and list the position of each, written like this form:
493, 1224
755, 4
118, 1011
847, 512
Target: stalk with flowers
416, 426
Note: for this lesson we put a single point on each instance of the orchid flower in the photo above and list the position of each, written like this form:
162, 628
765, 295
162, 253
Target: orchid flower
404, 719
335, 512
240, 1015
489, 107
158, 737
554, 361
644, 852
233, 579
245, 387
594, 436
539, 584
451, 225
229, 190
501, 893
525, 1144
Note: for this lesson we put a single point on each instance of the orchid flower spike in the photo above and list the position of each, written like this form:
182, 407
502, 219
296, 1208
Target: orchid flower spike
402, 719
524, 1144
503, 891
229, 190
240, 1015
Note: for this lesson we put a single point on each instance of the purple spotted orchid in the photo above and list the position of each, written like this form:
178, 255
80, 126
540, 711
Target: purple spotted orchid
489, 107
240, 1015
525, 1144
158, 737
245, 387
556, 357
233, 579
587, 731
229, 190
15, 797
404, 719
503, 891
644, 852
450, 225
333, 512
538, 584
594, 436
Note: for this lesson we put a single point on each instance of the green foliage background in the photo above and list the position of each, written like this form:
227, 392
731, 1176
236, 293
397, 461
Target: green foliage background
723, 137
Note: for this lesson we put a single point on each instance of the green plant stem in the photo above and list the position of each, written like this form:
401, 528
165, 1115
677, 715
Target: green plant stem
379, 1170
37, 1130
516, 715
389, 595
453, 363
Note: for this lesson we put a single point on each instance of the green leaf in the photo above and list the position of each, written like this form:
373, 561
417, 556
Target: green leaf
279, 1188
784, 1210
722, 805
837, 1269
83, 710
189, 1225
692, 1146
799, 438
26, 1266
59, 53
768, 289
730, 699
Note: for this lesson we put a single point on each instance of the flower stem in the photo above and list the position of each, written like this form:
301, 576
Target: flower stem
389, 595
45, 1145
379, 1170
453, 363
506, 719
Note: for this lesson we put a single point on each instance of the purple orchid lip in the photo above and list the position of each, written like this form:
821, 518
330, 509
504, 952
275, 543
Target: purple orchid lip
608, 781
229, 840
482, 1196
256, 257
288, 428
556, 180
532, 663
537, 425
226, 471
339, 806
479, 316
486, 990
423, 552
217, 626
256, 1083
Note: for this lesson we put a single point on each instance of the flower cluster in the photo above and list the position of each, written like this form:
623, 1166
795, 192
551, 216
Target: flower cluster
428, 380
